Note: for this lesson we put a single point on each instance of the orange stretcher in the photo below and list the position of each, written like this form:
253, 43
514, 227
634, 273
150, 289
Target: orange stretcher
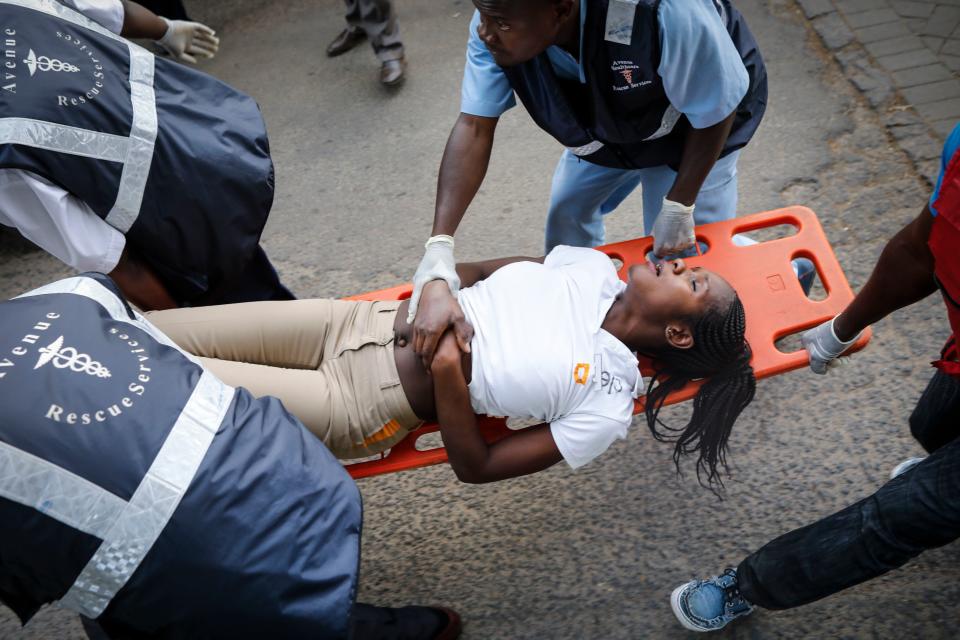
775, 304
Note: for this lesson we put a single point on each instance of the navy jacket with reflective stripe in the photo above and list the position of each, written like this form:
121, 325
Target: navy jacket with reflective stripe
265, 542
209, 180
623, 102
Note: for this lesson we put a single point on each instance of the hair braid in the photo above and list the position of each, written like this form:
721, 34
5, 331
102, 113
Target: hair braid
720, 355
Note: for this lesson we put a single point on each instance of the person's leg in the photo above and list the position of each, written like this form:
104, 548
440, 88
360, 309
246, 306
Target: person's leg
296, 334
716, 201
330, 362
936, 419
917, 511
378, 19
581, 194
352, 35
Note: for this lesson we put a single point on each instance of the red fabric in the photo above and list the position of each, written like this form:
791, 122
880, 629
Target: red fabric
944, 244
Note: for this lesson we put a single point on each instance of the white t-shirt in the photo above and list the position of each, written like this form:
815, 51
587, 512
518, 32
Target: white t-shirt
59, 223
539, 350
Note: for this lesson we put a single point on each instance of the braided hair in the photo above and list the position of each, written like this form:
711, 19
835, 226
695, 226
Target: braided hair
721, 356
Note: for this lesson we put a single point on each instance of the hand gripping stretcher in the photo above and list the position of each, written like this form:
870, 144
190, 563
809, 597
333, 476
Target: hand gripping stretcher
762, 274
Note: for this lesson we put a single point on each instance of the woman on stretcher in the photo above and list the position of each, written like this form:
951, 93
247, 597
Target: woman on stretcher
554, 339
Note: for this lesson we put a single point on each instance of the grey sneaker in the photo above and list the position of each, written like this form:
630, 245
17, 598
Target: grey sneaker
905, 466
708, 605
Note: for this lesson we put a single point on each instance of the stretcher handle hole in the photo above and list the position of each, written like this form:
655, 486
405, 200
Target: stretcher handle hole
757, 235
789, 343
801, 262
617, 261
428, 441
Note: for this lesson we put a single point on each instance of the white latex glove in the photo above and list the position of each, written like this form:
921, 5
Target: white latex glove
184, 40
823, 347
437, 264
673, 230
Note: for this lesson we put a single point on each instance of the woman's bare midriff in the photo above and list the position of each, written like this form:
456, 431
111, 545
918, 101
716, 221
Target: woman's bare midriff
415, 380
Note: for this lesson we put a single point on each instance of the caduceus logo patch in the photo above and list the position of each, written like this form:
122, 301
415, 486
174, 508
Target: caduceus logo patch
63, 357
44, 63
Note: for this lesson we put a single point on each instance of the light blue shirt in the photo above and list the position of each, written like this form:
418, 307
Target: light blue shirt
949, 150
703, 74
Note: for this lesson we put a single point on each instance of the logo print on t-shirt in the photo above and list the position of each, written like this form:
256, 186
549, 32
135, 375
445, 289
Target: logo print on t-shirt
580, 372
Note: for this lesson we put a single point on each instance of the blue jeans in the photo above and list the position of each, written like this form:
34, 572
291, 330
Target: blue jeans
916, 511
584, 192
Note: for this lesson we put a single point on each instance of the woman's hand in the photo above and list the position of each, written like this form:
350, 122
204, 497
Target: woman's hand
438, 312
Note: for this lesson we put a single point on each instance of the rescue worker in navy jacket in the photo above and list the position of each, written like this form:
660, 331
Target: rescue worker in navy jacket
143, 493
658, 93
116, 161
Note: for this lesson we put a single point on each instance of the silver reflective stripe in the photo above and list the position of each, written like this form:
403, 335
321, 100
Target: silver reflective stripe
143, 131
56, 492
140, 522
669, 120
143, 519
587, 149
143, 135
63, 138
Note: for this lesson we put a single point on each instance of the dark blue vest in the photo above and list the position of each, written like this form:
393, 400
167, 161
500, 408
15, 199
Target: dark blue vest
139, 490
173, 158
622, 118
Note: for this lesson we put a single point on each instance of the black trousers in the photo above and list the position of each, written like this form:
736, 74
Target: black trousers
366, 623
917, 511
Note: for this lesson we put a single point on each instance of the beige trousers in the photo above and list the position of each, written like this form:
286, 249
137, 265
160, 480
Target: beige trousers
329, 361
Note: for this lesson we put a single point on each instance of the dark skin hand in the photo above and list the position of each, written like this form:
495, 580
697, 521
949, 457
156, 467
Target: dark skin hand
902, 276
140, 22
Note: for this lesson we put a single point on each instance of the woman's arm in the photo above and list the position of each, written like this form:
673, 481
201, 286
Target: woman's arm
472, 459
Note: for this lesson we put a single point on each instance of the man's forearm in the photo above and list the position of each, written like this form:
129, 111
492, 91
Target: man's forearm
701, 149
464, 165
140, 22
903, 275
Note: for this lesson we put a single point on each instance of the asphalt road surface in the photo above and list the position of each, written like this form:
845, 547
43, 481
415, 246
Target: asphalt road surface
593, 553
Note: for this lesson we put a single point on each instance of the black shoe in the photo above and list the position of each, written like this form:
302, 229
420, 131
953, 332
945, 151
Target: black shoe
405, 623
348, 39
391, 72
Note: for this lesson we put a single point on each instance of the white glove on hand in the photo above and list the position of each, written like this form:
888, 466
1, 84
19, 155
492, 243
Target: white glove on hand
184, 40
673, 230
437, 264
823, 346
